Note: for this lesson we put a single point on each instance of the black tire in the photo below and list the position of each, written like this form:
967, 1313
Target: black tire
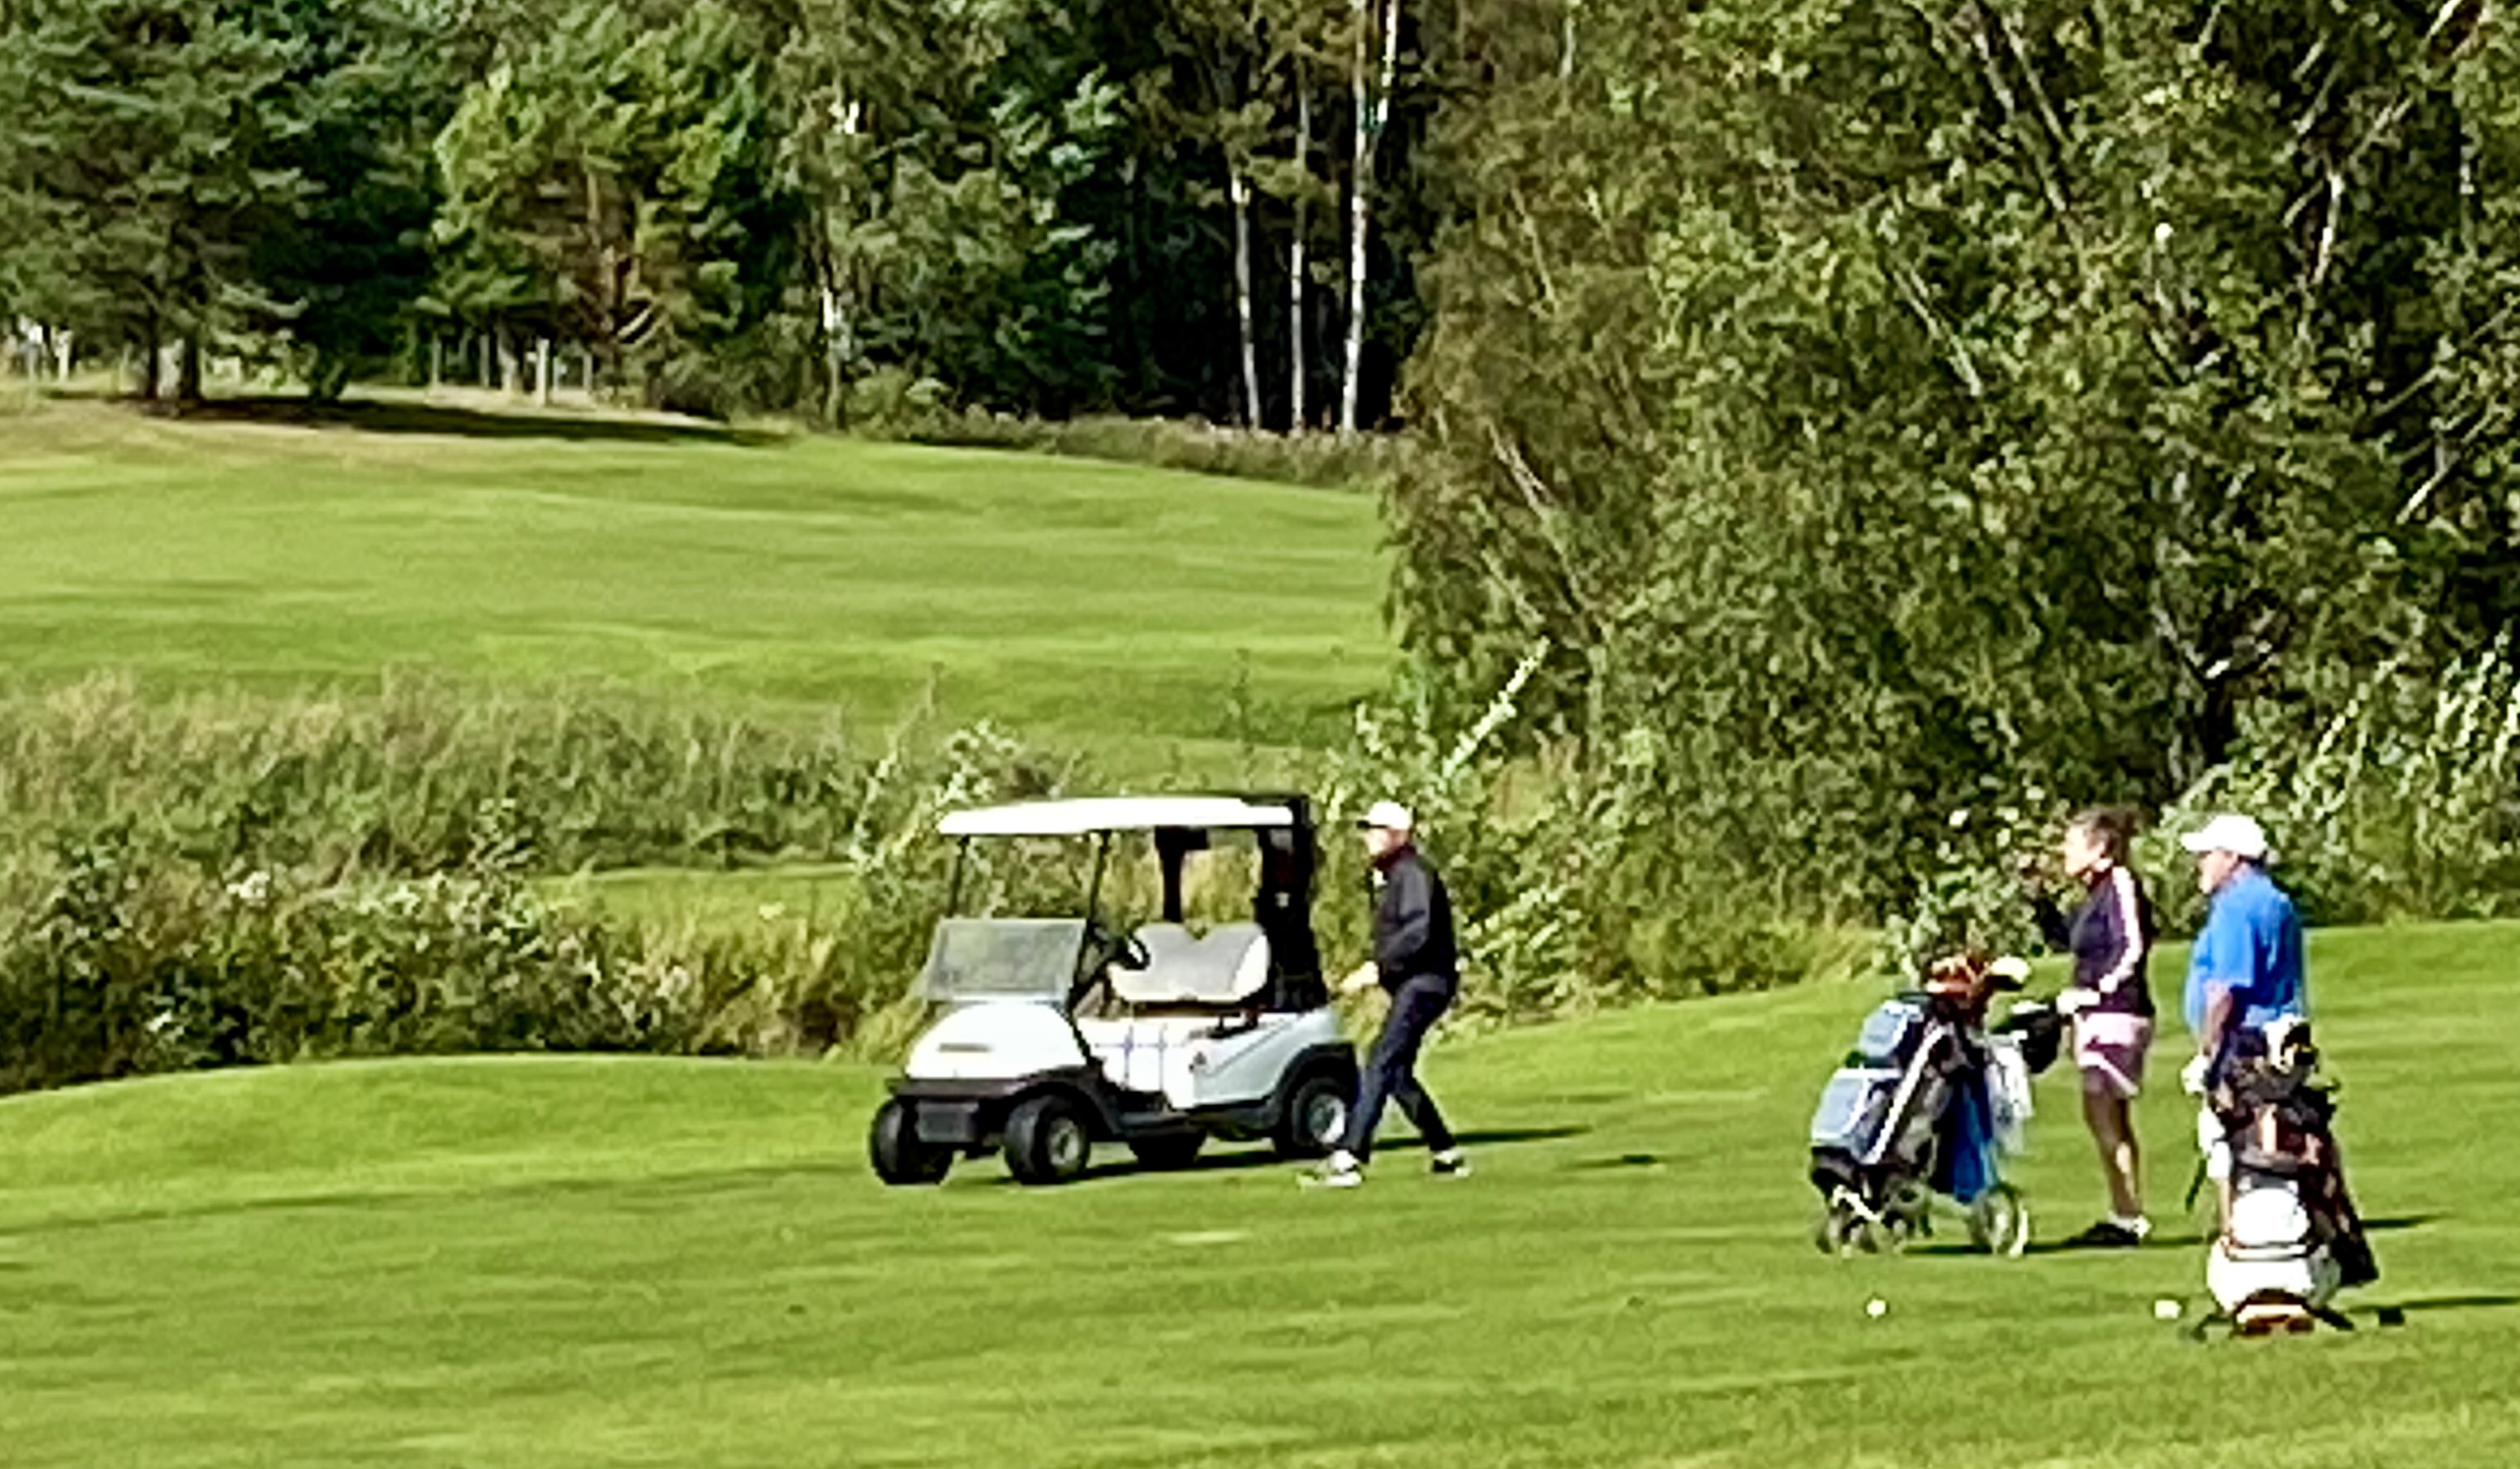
1314, 1116
1169, 1149
1048, 1140
900, 1159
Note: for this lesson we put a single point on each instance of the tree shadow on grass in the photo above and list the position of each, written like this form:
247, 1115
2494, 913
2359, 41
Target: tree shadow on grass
383, 416
2443, 1303
1240, 1159
1489, 1137
2156, 1243
1616, 1160
1959, 1246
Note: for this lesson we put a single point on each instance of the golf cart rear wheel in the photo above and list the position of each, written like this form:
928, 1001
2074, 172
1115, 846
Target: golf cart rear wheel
1999, 1222
894, 1148
1048, 1141
1169, 1150
1316, 1117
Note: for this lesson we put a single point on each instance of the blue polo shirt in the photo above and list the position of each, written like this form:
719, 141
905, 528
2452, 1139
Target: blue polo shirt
2251, 946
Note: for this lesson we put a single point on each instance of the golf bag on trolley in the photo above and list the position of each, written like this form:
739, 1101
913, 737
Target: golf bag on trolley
2291, 1237
1928, 1102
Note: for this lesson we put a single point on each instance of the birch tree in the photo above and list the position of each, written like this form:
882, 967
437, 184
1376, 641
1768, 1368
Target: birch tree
1376, 63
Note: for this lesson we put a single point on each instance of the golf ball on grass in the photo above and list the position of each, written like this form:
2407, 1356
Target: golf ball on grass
1875, 1307
2165, 1310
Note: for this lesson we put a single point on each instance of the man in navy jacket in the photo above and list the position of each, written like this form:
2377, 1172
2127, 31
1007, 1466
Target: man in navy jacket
1416, 963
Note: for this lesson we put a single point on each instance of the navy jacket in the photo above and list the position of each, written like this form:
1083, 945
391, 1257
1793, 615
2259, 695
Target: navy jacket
1413, 922
2110, 937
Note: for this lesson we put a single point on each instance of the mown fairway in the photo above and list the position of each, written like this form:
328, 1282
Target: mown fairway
548, 1263
1137, 612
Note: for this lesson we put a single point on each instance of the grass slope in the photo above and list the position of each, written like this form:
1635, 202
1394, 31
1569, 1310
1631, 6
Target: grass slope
581, 1261
1106, 604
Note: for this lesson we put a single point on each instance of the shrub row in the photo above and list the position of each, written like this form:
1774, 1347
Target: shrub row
221, 882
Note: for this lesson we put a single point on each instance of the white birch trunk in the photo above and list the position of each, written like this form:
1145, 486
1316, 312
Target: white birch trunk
542, 371
1372, 103
1297, 265
1240, 192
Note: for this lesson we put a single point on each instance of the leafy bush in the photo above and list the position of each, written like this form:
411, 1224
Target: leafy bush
1566, 904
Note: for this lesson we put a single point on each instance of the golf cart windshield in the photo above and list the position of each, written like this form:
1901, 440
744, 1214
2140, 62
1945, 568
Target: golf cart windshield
1002, 959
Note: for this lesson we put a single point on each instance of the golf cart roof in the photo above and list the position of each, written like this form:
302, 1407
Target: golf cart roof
1080, 818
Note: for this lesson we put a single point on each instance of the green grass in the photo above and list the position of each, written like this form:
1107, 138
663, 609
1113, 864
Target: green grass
552, 1263
1133, 611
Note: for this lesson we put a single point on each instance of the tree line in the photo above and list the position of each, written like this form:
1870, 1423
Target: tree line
1036, 206
1843, 414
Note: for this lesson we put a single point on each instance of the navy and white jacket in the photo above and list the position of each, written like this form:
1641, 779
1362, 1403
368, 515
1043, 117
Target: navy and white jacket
2110, 937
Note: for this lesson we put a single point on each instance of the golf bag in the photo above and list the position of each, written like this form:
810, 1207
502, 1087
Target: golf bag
2291, 1239
1927, 1103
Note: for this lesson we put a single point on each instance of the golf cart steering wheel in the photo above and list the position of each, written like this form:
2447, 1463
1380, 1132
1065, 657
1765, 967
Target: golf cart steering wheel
1104, 947
1110, 945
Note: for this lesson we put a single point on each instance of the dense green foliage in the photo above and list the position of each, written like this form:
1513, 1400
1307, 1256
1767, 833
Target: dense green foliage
558, 1264
1886, 409
1034, 206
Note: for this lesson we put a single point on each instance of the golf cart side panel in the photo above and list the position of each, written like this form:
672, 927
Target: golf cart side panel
1250, 1065
1258, 1116
1198, 1060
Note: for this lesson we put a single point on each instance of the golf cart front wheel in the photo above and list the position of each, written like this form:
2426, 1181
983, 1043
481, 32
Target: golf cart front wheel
1999, 1222
1047, 1141
899, 1157
1316, 1117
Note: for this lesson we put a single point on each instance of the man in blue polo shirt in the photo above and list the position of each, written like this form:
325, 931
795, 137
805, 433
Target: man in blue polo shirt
2246, 970
2245, 973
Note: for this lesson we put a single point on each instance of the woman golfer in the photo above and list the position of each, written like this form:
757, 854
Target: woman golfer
2110, 936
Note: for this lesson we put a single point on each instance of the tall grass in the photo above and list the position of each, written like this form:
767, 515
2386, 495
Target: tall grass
217, 881
1322, 460
2405, 804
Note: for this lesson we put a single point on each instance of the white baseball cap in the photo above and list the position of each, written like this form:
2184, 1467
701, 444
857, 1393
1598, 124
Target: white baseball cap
1390, 816
2228, 833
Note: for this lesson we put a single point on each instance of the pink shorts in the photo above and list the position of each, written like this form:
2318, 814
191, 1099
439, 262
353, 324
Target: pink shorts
2110, 1046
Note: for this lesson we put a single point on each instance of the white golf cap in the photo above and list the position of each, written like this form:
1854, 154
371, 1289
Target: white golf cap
2228, 833
1390, 816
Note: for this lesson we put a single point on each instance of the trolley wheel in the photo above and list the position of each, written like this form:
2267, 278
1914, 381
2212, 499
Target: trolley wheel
1999, 1222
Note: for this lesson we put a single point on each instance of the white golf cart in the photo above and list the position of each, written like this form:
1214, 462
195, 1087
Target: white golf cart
1062, 1032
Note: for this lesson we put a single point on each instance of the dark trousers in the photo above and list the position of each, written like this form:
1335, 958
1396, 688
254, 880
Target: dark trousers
1391, 1066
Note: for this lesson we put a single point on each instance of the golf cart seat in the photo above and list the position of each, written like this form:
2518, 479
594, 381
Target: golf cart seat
1227, 966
